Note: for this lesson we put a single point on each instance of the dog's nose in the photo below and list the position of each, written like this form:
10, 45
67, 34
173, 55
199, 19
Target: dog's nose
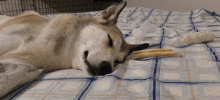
105, 68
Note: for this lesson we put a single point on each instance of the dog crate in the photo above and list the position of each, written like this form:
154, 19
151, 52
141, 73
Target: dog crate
15, 7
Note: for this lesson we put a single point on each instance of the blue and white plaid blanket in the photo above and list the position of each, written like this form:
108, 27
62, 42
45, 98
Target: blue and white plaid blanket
195, 76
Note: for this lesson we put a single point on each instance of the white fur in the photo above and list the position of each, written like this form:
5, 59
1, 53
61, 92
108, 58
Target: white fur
8, 43
95, 40
14, 28
5, 19
60, 42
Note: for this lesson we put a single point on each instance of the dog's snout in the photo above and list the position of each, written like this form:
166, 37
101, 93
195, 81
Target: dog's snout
105, 68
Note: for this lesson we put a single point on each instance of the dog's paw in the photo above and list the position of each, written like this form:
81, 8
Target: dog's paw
14, 75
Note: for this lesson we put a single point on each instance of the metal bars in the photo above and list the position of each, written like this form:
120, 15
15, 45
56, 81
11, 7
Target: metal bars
15, 7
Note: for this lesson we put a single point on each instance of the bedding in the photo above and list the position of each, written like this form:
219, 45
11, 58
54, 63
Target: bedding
194, 76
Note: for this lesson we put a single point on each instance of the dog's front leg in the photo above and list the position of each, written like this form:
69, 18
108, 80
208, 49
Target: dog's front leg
14, 75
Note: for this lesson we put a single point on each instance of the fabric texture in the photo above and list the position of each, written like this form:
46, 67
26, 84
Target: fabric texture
195, 76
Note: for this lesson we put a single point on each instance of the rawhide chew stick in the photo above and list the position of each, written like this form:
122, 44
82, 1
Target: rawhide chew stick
154, 53
198, 37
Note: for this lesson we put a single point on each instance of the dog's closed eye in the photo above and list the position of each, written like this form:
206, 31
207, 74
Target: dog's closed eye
110, 41
86, 54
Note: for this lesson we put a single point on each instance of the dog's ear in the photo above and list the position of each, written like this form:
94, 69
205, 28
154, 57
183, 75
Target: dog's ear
110, 15
138, 47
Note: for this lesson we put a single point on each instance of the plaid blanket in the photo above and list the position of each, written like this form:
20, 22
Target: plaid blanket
195, 76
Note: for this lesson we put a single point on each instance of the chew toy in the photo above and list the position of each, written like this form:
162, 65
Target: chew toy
198, 37
154, 53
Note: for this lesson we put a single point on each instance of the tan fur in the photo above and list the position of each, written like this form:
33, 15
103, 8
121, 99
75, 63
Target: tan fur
55, 43
44, 40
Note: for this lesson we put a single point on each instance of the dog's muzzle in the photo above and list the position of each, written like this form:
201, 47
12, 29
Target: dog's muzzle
103, 69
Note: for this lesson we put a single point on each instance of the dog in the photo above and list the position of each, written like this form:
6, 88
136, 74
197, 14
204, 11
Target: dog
91, 44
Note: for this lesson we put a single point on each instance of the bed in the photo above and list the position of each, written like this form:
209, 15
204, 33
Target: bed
194, 76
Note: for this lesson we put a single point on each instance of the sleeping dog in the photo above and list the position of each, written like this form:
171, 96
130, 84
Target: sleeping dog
65, 41
32, 43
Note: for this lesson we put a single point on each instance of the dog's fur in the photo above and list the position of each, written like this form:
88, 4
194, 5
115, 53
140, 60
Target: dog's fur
66, 41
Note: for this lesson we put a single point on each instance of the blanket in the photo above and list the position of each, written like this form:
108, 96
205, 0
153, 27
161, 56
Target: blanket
194, 76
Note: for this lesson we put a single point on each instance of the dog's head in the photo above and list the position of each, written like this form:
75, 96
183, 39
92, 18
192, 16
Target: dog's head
103, 44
